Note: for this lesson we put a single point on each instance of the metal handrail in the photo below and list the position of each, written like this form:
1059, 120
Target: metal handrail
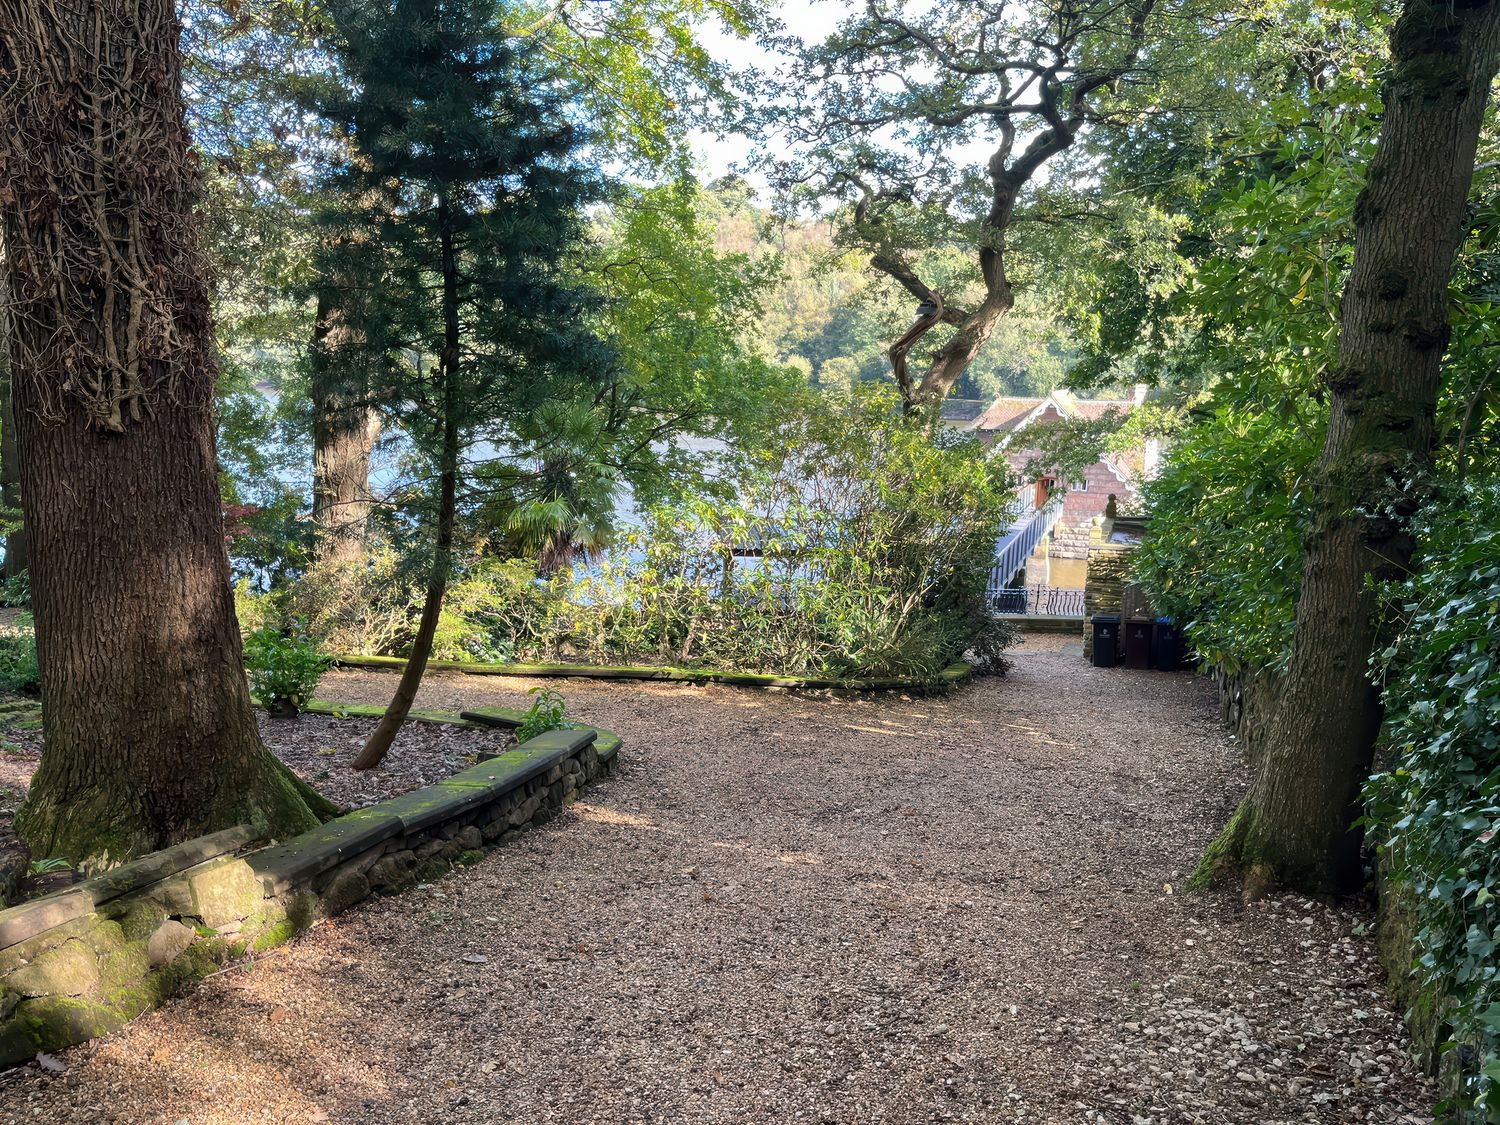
1015, 548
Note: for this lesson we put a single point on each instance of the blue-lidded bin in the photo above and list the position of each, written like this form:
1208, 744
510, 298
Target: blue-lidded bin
1166, 646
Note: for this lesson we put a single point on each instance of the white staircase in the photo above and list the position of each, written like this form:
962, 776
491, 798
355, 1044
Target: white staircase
1017, 541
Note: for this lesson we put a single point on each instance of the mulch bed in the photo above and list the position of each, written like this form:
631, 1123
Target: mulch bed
320, 749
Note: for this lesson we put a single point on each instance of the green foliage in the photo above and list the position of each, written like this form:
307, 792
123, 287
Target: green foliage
827, 315
1223, 549
15, 592
680, 317
283, 669
548, 711
19, 672
859, 547
1435, 811
367, 606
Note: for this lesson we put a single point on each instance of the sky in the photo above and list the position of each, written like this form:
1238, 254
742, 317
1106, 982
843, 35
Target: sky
812, 20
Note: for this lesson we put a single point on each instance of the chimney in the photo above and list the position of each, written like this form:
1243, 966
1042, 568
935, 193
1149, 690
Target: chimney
1138, 393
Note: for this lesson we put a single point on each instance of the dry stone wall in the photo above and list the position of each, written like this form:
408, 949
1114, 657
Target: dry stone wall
82, 962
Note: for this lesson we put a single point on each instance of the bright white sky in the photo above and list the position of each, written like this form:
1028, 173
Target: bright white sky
812, 21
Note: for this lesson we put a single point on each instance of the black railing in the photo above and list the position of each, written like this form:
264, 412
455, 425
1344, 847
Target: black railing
1044, 601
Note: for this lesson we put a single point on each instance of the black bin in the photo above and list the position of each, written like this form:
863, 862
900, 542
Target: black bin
1138, 642
1166, 646
1106, 639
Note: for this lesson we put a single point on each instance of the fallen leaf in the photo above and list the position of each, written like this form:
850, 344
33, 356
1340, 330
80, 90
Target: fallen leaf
51, 1064
476, 959
279, 1014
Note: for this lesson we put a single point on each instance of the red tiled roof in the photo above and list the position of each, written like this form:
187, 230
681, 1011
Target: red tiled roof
1096, 408
1006, 413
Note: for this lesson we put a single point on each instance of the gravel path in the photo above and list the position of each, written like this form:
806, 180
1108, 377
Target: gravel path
792, 908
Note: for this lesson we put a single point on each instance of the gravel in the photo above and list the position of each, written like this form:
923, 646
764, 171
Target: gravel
797, 908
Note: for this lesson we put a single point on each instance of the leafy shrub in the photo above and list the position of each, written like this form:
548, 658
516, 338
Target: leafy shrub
370, 606
1223, 549
548, 711
283, 669
498, 611
19, 672
253, 610
1435, 811
861, 547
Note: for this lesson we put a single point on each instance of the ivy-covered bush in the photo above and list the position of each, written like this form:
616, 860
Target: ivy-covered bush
1435, 810
1222, 554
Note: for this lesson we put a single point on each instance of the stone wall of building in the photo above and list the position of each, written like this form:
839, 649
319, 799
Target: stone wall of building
79, 963
1104, 582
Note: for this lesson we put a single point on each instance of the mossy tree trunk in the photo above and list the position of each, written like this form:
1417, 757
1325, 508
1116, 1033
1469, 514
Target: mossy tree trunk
1294, 827
150, 735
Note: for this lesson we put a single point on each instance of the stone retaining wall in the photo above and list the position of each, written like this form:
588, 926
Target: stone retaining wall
1103, 587
79, 963
954, 673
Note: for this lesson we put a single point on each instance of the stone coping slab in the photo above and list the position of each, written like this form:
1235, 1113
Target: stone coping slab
952, 674
320, 849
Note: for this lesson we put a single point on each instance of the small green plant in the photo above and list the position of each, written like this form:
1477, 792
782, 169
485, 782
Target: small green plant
283, 669
19, 672
548, 712
52, 863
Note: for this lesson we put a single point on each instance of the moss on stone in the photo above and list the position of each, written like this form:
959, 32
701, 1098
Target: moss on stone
70, 970
126, 965
141, 919
54, 1022
225, 892
21, 953
105, 936
279, 934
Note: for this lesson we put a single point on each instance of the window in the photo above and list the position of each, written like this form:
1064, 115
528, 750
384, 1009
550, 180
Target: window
1078, 486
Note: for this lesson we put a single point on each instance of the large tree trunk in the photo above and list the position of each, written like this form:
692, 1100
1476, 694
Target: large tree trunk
150, 736
391, 722
10, 469
1294, 827
344, 432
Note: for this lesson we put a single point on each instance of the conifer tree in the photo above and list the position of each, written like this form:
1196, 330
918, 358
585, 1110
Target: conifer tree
465, 183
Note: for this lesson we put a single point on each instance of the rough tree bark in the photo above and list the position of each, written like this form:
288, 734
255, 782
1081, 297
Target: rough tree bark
1293, 828
10, 470
344, 433
391, 722
150, 736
